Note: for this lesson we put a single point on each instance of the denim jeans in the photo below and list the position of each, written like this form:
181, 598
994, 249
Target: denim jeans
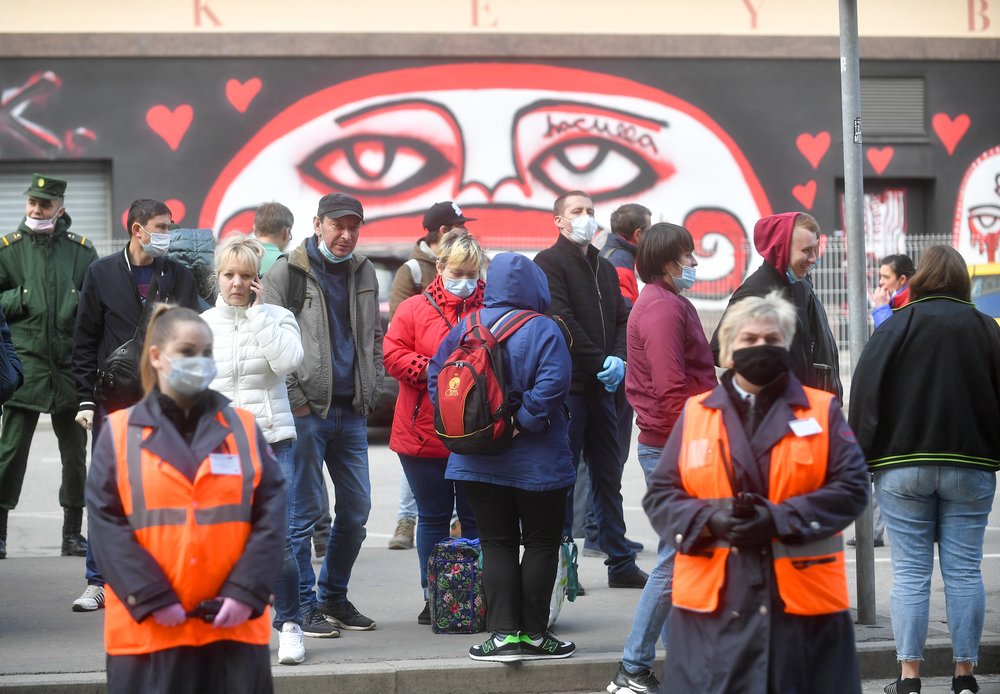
584, 517
407, 501
341, 441
91, 573
436, 498
593, 431
950, 505
286, 593
654, 604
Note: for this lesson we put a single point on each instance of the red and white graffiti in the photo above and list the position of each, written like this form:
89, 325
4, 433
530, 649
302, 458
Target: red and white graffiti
976, 232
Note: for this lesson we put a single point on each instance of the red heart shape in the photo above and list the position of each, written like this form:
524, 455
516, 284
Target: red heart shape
880, 158
813, 147
177, 211
949, 131
805, 194
240, 94
170, 125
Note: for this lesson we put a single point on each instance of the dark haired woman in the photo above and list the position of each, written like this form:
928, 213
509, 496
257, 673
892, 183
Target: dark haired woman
925, 403
893, 291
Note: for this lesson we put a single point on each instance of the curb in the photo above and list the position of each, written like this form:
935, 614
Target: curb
581, 673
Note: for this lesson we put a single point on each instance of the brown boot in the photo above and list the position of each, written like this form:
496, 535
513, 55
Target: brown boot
403, 537
73, 543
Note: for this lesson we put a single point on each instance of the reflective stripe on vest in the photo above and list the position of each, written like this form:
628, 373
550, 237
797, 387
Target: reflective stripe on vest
196, 531
142, 517
811, 577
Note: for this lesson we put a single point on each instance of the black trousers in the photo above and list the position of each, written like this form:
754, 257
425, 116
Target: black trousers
518, 588
222, 667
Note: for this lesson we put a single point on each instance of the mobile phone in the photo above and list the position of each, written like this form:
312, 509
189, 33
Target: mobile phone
253, 294
206, 610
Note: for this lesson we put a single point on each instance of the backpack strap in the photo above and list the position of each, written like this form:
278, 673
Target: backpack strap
296, 288
430, 300
416, 273
509, 327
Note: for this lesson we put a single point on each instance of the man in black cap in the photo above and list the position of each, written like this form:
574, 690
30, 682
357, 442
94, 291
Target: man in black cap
42, 266
334, 293
411, 279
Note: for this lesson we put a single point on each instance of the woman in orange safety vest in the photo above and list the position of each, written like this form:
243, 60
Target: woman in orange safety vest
757, 480
187, 521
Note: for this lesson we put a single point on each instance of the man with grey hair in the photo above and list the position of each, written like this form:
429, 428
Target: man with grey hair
272, 226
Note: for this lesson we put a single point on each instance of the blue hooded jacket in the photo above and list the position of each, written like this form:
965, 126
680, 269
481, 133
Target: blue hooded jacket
538, 370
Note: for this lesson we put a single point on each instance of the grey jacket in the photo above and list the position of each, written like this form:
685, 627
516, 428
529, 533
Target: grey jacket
311, 383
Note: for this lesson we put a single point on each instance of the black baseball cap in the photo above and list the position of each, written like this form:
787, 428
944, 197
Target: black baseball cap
442, 214
340, 205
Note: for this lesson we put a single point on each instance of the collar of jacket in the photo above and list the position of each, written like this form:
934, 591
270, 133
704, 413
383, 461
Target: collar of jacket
62, 226
794, 395
616, 241
299, 258
590, 256
232, 312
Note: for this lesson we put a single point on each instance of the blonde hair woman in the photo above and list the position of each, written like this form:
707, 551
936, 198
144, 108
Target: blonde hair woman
256, 346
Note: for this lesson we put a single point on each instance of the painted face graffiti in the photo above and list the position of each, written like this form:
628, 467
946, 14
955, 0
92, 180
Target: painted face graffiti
502, 140
977, 212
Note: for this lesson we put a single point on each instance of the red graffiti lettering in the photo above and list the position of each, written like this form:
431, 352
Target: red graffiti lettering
621, 131
981, 14
201, 8
754, 10
482, 14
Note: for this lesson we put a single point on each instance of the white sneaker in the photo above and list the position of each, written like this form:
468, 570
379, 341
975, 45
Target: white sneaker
92, 599
291, 644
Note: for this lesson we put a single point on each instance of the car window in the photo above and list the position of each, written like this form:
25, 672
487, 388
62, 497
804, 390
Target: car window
988, 303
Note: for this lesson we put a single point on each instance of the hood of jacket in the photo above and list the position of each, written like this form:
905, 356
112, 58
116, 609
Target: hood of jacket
772, 237
517, 282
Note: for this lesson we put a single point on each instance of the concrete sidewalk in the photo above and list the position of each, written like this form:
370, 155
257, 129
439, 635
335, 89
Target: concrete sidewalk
45, 647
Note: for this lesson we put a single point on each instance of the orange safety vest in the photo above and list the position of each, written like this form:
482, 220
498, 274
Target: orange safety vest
195, 531
812, 578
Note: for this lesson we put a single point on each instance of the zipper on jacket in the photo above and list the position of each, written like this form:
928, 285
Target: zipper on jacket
600, 304
236, 358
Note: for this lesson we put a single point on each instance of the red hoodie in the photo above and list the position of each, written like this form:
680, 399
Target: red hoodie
772, 237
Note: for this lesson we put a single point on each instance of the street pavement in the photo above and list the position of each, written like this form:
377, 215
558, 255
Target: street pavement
45, 647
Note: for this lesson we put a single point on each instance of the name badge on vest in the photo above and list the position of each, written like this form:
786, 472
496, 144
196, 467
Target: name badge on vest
225, 464
805, 427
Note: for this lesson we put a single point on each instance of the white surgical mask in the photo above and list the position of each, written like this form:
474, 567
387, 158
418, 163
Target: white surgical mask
191, 375
41, 225
583, 229
461, 288
158, 243
686, 280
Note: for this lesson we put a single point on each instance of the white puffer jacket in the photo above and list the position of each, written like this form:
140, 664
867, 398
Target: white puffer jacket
254, 350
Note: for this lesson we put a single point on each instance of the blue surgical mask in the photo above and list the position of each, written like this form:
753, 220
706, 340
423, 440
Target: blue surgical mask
792, 279
191, 375
328, 254
686, 280
461, 288
159, 243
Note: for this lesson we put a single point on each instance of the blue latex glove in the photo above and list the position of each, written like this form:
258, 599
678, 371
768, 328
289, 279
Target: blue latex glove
613, 373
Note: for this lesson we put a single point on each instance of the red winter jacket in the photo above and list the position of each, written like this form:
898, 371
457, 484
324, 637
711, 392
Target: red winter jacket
413, 337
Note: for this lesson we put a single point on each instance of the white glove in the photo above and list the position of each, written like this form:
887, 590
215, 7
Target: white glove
85, 418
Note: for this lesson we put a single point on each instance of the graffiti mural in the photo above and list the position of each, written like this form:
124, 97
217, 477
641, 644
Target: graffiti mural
503, 141
977, 212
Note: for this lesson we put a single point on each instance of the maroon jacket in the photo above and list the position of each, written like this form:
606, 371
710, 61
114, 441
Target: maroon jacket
413, 337
669, 360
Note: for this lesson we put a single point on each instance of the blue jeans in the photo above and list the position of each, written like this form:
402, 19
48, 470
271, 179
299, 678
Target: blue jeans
286, 593
950, 505
593, 431
91, 573
654, 604
436, 497
407, 502
341, 441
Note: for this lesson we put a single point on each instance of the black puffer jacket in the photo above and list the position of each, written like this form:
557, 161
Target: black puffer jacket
587, 297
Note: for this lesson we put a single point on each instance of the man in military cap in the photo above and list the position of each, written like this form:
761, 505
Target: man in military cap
42, 265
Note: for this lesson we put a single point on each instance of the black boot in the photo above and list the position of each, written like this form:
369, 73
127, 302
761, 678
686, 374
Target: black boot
73, 544
3, 533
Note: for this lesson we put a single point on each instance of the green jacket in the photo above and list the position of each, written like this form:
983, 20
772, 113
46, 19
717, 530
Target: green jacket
40, 281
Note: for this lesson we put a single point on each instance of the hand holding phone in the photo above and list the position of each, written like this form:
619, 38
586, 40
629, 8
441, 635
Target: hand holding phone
256, 289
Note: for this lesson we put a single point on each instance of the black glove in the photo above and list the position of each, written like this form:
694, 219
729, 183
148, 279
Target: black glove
720, 524
755, 531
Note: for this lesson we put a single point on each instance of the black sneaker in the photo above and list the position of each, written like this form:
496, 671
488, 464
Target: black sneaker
544, 646
425, 614
346, 616
499, 648
644, 682
316, 625
910, 685
966, 684
636, 579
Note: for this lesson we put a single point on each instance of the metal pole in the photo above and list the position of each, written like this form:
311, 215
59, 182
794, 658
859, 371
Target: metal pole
857, 301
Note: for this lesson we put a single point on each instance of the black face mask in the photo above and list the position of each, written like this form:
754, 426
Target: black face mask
761, 364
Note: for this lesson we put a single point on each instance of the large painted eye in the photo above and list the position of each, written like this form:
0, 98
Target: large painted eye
984, 219
375, 165
602, 167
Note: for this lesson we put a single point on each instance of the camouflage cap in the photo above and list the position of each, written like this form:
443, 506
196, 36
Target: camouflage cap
46, 187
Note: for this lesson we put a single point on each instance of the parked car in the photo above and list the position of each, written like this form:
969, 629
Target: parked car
986, 288
387, 259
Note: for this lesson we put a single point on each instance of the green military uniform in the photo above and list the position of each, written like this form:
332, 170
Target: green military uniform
40, 279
